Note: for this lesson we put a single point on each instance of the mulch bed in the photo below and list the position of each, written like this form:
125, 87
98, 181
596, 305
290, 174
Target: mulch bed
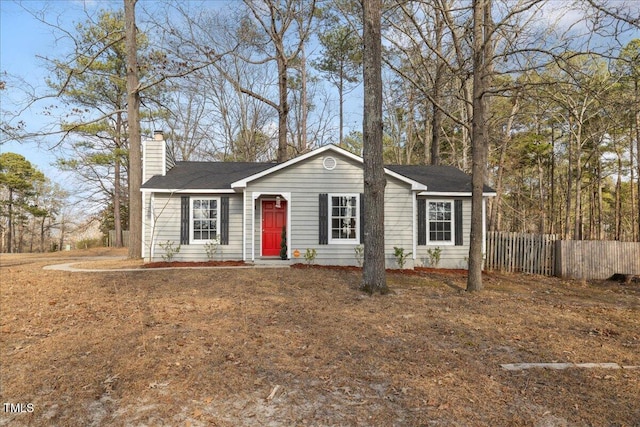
164, 264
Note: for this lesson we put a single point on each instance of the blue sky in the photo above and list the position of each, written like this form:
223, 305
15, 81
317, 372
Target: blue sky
22, 40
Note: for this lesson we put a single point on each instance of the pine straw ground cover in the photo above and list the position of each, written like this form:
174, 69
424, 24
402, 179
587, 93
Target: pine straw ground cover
286, 347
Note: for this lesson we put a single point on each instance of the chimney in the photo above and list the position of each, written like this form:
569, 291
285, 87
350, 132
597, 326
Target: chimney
154, 156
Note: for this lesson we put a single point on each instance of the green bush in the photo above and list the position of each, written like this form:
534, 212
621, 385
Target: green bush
89, 243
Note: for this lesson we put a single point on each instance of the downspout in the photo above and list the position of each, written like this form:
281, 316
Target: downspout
144, 214
244, 225
484, 229
253, 228
287, 197
414, 227
153, 227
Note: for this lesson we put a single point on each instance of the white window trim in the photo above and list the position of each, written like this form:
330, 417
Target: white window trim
193, 241
337, 241
453, 224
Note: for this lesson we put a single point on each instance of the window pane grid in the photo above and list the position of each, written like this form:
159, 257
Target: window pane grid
343, 217
439, 221
205, 219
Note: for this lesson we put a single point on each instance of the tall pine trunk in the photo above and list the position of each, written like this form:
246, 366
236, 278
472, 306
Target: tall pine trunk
117, 191
373, 273
436, 119
133, 120
482, 54
283, 108
637, 120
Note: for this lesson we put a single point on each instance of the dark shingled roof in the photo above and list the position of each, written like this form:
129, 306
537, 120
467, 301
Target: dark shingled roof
442, 179
220, 175
205, 175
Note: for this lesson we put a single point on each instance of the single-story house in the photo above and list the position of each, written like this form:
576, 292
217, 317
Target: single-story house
317, 198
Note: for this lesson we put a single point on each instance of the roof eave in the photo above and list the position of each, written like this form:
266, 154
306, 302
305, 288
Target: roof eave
187, 190
242, 183
455, 193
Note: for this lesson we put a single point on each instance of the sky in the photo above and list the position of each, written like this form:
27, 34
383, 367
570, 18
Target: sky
23, 39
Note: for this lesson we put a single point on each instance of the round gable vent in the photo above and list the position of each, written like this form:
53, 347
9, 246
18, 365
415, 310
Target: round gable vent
329, 163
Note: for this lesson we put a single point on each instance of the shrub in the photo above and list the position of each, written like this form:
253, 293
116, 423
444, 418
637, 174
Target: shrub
169, 250
434, 256
310, 256
89, 243
401, 256
359, 251
211, 248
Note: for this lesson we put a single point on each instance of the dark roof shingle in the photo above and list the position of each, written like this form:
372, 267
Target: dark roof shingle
205, 175
441, 179
220, 176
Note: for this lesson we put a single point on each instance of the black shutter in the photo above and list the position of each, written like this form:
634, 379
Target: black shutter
323, 219
422, 221
184, 220
361, 218
457, 217
224, 220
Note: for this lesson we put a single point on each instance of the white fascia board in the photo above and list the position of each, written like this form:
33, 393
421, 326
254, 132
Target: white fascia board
453, 194
415, 185
242, 183
187, 190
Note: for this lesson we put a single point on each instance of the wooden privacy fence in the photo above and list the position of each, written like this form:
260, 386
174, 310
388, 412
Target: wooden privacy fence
111, 239
546, 254
521, 252
595, 259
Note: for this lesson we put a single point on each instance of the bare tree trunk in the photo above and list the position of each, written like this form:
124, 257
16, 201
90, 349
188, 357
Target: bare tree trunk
10, 223
42, 232
541, 198
634, 235
599, 201
341, 110
481, 74
467, 112
577, 230
618, 200
304, 110
567, 212
373, 272
552, 178
63, 229
436, 120
117, 220
637, 96
133, 120
495, 219
283, 108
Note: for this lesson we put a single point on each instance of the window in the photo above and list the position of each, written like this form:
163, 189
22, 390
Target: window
204, 219
344, 216
440, 221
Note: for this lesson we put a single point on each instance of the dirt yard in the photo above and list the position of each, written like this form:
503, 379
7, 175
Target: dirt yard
296, 347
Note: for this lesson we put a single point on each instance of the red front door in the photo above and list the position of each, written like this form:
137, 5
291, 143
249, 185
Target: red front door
273, 219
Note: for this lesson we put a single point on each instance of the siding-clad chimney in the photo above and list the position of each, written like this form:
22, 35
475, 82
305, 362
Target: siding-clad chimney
154, 156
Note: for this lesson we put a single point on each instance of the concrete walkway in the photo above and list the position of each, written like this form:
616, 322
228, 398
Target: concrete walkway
69, 266
559, 366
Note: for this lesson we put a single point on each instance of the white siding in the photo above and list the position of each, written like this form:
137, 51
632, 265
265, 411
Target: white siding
451, 256
166, 209
302, 183
153, 158
305, 181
